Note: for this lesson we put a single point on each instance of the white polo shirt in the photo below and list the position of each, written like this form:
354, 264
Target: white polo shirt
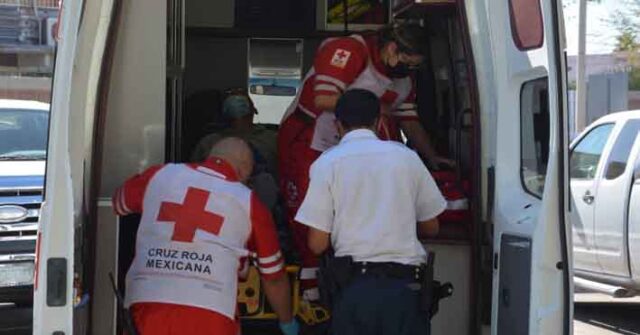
369, 195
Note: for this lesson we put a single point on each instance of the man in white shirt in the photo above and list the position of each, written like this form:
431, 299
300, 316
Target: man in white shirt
370, 199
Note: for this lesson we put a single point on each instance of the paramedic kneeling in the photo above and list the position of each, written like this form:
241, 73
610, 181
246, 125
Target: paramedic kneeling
369, 199
199, 223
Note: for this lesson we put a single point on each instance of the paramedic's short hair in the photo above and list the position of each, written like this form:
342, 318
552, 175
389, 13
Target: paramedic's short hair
233, 149
411, 38
358, 108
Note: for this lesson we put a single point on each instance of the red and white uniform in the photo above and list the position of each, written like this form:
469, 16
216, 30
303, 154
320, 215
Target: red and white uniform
198, 224
340, 64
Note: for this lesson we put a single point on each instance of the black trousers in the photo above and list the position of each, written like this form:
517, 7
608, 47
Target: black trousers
376, 305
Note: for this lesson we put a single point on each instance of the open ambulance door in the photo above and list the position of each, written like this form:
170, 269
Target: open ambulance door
53, 287
79, 66
531, 263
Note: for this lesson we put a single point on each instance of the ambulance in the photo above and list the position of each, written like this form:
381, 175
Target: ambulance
492, 95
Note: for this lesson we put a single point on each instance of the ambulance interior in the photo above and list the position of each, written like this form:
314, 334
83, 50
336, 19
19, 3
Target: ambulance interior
267, 49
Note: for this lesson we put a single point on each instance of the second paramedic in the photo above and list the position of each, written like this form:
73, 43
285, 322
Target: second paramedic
199, 223
380, 63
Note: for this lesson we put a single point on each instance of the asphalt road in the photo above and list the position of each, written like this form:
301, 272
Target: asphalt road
594, 315
597, 314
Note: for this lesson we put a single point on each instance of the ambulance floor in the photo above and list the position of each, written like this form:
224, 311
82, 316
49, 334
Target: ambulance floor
271, 328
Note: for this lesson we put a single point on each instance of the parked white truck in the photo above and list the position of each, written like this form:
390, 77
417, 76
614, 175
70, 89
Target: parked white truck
605, 192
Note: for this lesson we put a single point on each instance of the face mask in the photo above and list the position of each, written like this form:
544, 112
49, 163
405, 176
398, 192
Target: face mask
401, 70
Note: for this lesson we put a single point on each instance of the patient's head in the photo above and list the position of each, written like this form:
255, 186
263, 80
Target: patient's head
239, 110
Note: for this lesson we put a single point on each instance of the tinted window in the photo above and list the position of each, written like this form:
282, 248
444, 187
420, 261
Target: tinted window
526, 23
586, 155
621, 149
23, 134
534, 135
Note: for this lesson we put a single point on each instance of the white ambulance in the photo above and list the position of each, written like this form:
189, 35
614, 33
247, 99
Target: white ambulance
492, 96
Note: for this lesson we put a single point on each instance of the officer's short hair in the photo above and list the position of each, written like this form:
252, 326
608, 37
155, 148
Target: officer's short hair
411, 38
358, 108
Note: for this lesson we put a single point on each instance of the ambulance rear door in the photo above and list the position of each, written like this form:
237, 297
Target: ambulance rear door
80, 49
531, 267
53, 306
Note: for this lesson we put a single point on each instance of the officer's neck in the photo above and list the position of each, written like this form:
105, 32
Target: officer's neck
349, 130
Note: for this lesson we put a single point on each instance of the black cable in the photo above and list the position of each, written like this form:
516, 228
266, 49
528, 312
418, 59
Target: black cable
345, 15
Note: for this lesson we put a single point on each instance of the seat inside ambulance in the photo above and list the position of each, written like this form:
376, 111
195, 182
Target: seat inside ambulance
266, 47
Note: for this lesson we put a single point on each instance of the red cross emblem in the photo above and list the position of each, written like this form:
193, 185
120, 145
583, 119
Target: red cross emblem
340, 58
190, 216
342, 54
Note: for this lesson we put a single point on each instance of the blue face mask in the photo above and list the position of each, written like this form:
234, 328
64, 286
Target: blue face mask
401, 70
236, 106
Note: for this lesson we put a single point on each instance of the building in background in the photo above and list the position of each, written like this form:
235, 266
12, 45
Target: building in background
610, 66
607, 87
27, 48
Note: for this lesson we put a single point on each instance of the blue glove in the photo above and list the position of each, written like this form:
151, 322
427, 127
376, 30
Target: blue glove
290, 328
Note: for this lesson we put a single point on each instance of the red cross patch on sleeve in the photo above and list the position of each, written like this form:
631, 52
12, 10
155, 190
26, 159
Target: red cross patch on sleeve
340, 58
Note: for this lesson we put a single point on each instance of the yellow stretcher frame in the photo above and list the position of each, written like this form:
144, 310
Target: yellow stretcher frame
253, 305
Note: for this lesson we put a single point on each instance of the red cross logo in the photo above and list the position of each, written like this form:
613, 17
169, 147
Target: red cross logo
340, 58
342, 54
190, 216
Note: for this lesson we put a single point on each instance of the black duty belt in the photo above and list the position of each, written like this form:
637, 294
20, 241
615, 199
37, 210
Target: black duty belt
389, 269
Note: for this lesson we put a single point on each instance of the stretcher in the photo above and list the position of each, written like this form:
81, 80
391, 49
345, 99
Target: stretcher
253, 304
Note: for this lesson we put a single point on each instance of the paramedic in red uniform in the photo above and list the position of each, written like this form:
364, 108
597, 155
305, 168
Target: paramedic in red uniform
380, 63
199, 223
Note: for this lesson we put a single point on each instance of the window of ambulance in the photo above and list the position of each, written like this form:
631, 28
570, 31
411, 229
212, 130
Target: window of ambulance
27, 53
534, 135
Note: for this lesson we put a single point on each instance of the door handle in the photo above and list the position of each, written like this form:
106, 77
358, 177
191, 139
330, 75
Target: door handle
506, 297
588, 198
